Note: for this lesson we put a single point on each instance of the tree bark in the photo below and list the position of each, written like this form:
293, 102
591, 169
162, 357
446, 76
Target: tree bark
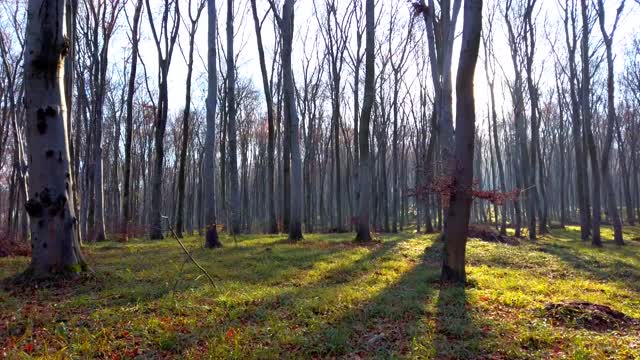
611, 123
126, 201
363, 232
271, 150
209, 176
232, 141
186, 115
291, 117
56, 249
457, 222
164, 42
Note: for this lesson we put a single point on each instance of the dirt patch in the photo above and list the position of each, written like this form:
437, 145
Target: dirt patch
590, 316
489, 234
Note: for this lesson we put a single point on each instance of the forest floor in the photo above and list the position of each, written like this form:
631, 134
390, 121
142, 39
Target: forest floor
326, 297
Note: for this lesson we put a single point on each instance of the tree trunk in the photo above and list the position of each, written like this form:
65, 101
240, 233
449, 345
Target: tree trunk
291, 117
580, 156
457, 222
232, 164
585, 88
164, 42
209, 176
271, 150
126, 201
364, 190
611, 123
186, 114
56, 249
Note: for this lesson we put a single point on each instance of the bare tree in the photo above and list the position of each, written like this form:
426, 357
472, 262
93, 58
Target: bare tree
209, 177
232, 162
334, 32
186, 114
364, 233
457, 223
56, 249
135, 40
101, 16
611, 120
165, 41
271, 199
291, 116
569, 21
490, 73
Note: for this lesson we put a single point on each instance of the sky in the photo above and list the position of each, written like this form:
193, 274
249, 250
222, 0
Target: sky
549, 22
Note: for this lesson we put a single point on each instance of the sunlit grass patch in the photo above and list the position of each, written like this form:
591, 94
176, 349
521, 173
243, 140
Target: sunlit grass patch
326, 297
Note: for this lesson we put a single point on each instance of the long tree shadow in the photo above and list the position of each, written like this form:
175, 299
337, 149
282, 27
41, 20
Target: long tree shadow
456, 335
401, 315
382, 326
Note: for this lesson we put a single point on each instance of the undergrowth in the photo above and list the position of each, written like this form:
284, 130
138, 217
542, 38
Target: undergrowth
325, 297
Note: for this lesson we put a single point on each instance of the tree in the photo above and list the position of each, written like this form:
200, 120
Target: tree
186, 114
585, 102
440, 37
569, 21
611, 121
457, 221
135, 40
293, 154
165, 41
398, 57
101, 20
56, 249
271, 150
211, 235
334, 32
291, 116
490, 73
232, 133
529, 53
363, 232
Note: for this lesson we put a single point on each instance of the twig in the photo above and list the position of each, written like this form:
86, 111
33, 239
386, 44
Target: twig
188, 254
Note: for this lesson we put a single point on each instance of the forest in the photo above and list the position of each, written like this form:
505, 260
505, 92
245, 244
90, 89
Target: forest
319, 179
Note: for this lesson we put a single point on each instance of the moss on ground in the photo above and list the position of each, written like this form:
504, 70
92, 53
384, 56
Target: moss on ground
326, 297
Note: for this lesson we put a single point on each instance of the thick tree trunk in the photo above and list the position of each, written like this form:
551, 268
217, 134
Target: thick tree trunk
364, 188
457, 222
291, 117
209, 176
56, 249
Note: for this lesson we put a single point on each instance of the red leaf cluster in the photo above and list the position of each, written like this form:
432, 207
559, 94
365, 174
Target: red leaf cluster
444, 186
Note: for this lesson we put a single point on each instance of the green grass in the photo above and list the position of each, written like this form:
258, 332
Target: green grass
325, 297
